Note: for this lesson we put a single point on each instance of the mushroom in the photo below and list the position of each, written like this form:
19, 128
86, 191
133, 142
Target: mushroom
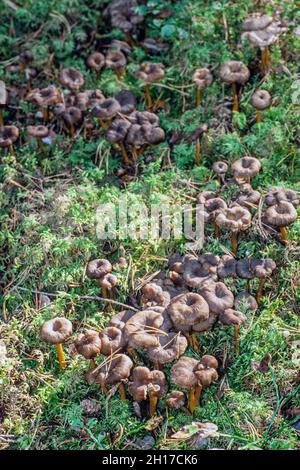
88, 99
96, 61
97, 269
246, 196
232, 317
8, 135
235, 218
117, 135
175, 399
127, 101
217, 296
120, 319
123, 16
105, 111
3, 101
201, 78
112, 371
171, 347
108, 282
212, 207
198, 270
112, 340
57, 331
260, 100
227, 267
281, 215
220, 168
194, 375
72, 116
150, 73
146, 383
276, 195
196, 136
234, 72
44, 98
245, 168
136, 139
143, 329
246, 299
116, 61
262, 268
88, 344
71, 78
39, 132
154, 294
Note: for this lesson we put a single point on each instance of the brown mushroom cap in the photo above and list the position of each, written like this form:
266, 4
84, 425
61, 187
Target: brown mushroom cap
187, 310
88, 344
235, 218
246, 167
72, 116
56, 331
88, 99
122, 15
153, 135
98, 268
262, 267
118, 131
108, 281
143, 329
227, 267
202, 78
8, 135
188, 372
247, 299
145, 381
200, 269
281, 215
144, 117
276, 195
261, 99
232, 317
71, 78
111, 339
3, 94
120, 319
115, 60
96, 61
234, 71
212, 207
107, 109
247, 196
205, 196
220, 168
206, 325
44, 97
175, 399
171, 348
255, 22
115, 370
127, 101
26, 58
154, 293
37, 131
243, 269
151, 73
135, 136
217, 296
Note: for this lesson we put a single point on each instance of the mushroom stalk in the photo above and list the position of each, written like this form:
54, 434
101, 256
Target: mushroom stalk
265, 60
235, 98
198, 392
258, 117
1, 117
260, 289
195, 344
122, 392
45, 114
92, 364
216, 230
120, 73
11, 150
153, 404
284, 234
40, 145
61, 356
237, 338
125, 158
198, 97
148, 96
234, 242
192, 403
198, 152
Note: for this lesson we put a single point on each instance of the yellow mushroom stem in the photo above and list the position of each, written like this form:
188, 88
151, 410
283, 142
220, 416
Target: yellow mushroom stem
130, 40
125, 158
41, 145
133, 354
265, 60
235, 98
153, 403
195, 343
92, 364
258, 117
134, 153
157, 366
11, 150
71, 131
284, 234
103, 124
260, 289
104, 389
234, 242
237, 338
216, 230
148, 96
61, 356
192, 403
122, 392
189, 338
198, 392
120, 73
198, 152
104, 292
44, 111
198, 97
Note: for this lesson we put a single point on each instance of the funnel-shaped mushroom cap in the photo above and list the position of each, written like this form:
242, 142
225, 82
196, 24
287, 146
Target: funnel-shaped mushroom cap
108, 281
135, 136
188, 372
45, 97
127, 101
98, 268
96, 61
88, 344
212, 207
143, 329
151, 73
145, 381
175, 399
202, 78
72, 116
154, 293
113, 371
8, 135
262, 267
171, 348
209, 361
88, 99
200, 269
153, 135
26, 58
243, 269
244, 299
71, 78
276, 195
235, 218
120, 319
227, 267
218, 296
107, 109
220, 168
205, 196
206, 325
187, 310
232, 317
266, 36
256, 22
261, 99
118, 131
234, 71
115, 60
37, 131
144, 117
3, 94
122, 14
56, 331
245, 167
112, 339
281, 215
247, 196
175, 263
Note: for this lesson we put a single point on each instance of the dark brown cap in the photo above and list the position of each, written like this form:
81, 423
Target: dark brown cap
234, 71
56, 331
96, 61
88, 344
71, 78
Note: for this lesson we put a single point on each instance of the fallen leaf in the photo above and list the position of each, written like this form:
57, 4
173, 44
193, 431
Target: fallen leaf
202, 430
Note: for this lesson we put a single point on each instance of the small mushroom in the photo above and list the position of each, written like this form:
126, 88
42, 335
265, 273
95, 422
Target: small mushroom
277, 195
171, 348
262, 268
198, 270
212, 207
245, 168
57, 331
87, 99
143, 329
127, 101
135, 139
220, 168
8, 136
281, 215
39, 132
44, 98
112, 340
146, 383
260, 100
202, 78
108, 282
150, 73
97, 269
227, 267
116, 61
88, 344
96, 61
71, 78
120, 319
117, 135
106, 111
3, 101
72, 117
236, 218
217, 296
154, 294
233, 317
245, 299
234, 72
175, 399
246, 196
